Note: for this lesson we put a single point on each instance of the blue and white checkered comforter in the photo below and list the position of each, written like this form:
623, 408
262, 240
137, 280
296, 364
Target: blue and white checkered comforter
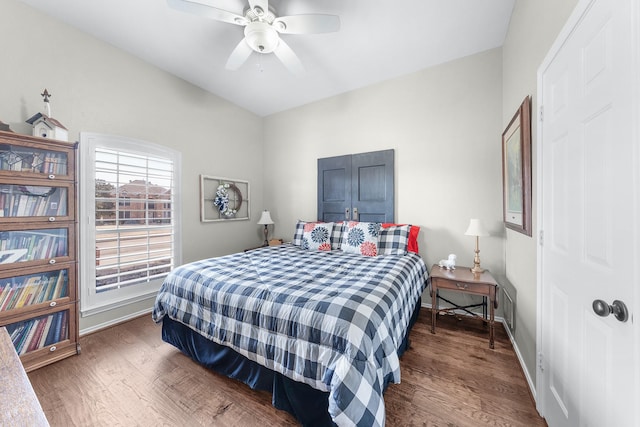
328, 319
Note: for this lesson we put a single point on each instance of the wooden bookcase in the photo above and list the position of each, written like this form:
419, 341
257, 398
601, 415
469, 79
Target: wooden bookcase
38, 267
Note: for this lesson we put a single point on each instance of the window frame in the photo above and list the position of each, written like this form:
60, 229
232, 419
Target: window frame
92, 302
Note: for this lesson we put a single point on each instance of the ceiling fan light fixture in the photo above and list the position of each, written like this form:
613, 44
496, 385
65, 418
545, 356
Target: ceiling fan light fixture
261, 37
258, 11
279, 26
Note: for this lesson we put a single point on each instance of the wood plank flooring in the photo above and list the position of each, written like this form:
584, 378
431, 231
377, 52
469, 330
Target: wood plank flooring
127, 376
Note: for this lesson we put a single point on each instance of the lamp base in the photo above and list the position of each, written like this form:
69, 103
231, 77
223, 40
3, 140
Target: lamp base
266, 233
477, 269
476, 261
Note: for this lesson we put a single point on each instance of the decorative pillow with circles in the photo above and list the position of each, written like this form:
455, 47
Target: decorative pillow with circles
361, 238
317, 236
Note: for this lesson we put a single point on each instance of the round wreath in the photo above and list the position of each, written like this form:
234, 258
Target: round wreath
223, 203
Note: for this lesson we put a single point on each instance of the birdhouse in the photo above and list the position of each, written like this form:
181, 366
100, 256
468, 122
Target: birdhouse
45, 126
48, 127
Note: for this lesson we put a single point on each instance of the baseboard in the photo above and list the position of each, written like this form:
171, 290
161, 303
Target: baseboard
527, 377
532, 388
114, 322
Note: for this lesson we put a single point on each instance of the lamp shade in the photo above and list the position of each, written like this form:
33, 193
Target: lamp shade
476, 228
265, 219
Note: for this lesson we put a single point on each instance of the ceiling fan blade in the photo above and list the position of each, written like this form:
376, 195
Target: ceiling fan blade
288, 58
239, 55
262, 4
307, 24
207, 11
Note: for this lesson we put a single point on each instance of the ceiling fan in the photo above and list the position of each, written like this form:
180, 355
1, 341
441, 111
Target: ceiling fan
262, 29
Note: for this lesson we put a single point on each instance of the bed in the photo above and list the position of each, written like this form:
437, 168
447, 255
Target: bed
321, 330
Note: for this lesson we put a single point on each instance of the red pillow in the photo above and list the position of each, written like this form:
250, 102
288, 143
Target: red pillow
412, 245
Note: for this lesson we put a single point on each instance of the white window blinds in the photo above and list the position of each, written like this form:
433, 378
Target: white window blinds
130, 227
134, 211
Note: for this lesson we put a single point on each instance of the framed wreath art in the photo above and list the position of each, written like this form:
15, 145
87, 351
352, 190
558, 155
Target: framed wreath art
223, 199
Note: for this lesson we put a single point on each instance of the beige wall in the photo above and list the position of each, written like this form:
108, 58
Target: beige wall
444, 124
533, 28
97, 88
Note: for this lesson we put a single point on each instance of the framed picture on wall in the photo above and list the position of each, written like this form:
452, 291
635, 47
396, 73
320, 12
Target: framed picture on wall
516, 170
223, 199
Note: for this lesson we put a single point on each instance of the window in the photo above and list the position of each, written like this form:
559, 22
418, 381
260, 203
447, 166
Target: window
130, 224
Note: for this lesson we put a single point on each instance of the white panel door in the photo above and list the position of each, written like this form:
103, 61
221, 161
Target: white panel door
588, 217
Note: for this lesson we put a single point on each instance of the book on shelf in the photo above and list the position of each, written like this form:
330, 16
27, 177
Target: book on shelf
33, 285
45, 332
43, 290
29, 330
43, 247
15, 201
51, 335
54, 203
60, 327
51, 288
11, 301
22, 295
22, 298
64, 326
65, 288
16, 332
32, 243
4, 290
6, 294
43, 281
30, 207
43, 206
6, 206
24, 334
46, 163
22, 204
6, 298
37, 207
32, 332
60, 290
34, 340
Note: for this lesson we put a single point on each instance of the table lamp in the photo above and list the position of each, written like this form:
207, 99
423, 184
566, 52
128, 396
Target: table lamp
476, 229
265, 220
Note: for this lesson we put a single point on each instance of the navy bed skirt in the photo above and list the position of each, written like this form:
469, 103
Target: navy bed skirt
308, 405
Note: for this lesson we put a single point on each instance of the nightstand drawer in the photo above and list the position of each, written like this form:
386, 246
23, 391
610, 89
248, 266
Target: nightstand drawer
470, 288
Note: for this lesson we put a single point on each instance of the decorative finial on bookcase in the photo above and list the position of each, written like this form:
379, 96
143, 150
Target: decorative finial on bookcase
45, 95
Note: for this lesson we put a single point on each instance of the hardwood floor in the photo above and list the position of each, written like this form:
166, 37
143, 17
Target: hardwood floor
126, 376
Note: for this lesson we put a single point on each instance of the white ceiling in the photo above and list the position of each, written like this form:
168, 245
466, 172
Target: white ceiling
378, 40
